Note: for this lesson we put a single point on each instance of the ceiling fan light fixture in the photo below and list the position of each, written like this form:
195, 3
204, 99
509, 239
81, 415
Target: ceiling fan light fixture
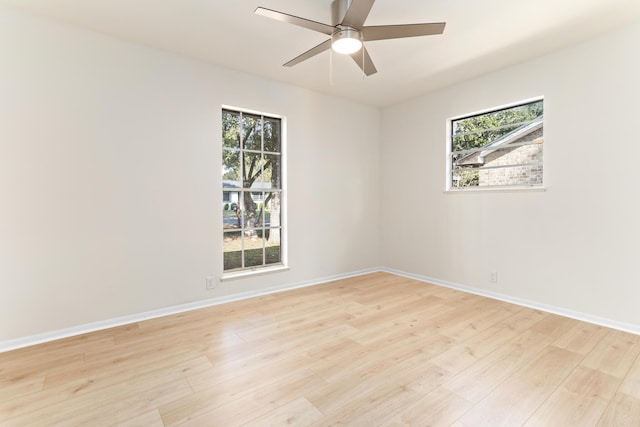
346, 41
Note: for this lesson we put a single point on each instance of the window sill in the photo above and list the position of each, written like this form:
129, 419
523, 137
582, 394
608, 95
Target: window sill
254, 272
495, 190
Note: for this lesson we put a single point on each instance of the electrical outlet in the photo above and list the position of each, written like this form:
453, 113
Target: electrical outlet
211, 283
493, 277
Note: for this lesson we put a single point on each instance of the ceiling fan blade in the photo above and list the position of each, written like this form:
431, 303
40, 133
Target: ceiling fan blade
296, 20
326, 45
357, 13
367, 67
384, 32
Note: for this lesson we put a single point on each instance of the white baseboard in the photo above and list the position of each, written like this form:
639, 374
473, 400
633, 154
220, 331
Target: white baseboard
613, 324
124, 320
119, 321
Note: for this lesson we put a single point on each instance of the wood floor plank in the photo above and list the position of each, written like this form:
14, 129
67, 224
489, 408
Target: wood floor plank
370, 407
14, 388
298, 412
83, 391
581, 338
147, 419
114, 369
579, 401
554, 326
523, 320
414, 375
476, 382
623, 411
477, 320
257, 372
380, 358
219, 387
615, 353
441, 407
516, 399
34, 368
112, 404
247, 407
368, 400
631, 383
465, 353
376, 349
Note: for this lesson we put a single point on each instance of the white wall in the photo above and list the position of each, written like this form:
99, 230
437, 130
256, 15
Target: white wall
575, 246
110, 178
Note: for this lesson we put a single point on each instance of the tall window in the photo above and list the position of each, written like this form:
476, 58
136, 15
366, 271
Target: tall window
497, 149
251, 190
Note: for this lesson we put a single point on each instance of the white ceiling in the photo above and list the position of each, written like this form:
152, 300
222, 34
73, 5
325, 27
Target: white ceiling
480, 36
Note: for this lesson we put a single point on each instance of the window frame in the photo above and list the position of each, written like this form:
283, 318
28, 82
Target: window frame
449, 184
245, 271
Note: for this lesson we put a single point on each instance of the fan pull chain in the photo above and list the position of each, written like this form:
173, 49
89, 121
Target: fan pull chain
331, 67
363, 65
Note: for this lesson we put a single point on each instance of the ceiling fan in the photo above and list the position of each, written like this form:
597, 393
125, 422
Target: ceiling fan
348, 32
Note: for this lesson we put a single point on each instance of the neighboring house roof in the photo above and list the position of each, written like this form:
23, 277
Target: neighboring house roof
513, 137
229, 185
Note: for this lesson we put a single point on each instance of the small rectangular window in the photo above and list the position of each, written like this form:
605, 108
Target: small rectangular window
251, 190
501, 148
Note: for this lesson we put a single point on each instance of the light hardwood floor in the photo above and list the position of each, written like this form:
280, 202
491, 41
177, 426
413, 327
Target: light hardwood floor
367, 351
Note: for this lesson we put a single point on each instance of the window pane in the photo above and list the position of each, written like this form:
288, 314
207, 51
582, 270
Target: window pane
253, 177
466, 178
271, 134
230, 129
232, 250
483, 129
272, 249
272, 168
251, 132
511, 175
259, 200
272, 209
499, 120
230, 218
253, 250
249, 211
231, 172
480, 138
